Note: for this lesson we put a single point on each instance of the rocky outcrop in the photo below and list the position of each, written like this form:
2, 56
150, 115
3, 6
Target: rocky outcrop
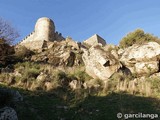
142, 59
6, 49
59, 54
72, 43
43, 81
21, 52
5, 52
99, 63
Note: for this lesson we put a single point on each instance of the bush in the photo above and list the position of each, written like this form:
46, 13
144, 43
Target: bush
28, 70
33, 72
61, 75
27, 65
137, 37
3, 77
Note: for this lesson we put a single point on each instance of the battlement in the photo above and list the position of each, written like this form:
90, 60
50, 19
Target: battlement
44, 31
58, 36
27, 38
31, 34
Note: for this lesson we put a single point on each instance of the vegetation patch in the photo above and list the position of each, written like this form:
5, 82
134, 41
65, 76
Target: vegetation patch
137, 37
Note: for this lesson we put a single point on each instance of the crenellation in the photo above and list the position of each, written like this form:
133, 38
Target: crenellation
44, 31
60, 34
27, 36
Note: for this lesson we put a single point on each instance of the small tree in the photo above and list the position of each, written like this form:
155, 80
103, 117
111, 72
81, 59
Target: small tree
137, 37
7, 33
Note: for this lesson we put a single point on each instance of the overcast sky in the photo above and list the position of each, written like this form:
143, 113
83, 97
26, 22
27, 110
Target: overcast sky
80, 19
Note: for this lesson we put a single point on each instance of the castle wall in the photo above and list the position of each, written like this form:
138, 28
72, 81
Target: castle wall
44, 31
28, 38
58, 36
33, 45
30, 43
101, 40
95, 39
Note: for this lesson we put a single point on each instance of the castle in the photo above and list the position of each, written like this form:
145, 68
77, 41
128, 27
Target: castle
93, 40
44, 31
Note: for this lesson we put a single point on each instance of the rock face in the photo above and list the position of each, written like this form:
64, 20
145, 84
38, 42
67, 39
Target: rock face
5, 52
59, 53
100, 63
142, 59
5, 49
72, 43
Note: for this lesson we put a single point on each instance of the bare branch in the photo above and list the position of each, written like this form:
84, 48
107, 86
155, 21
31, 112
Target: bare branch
7, 32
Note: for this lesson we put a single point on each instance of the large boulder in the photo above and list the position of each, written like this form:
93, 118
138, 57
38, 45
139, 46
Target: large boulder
8, 99
142, 59
8, 113
99, 62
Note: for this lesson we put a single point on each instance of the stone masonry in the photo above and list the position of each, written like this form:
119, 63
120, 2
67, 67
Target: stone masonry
44, 31
94, 40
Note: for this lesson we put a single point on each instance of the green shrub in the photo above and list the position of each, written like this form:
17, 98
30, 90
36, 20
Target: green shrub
137, 37
27, 65
32, 72
28, 70
3, 76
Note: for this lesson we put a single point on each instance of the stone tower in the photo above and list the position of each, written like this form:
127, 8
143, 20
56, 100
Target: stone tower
44, 31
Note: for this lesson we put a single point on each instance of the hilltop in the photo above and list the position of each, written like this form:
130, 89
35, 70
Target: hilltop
62, 79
